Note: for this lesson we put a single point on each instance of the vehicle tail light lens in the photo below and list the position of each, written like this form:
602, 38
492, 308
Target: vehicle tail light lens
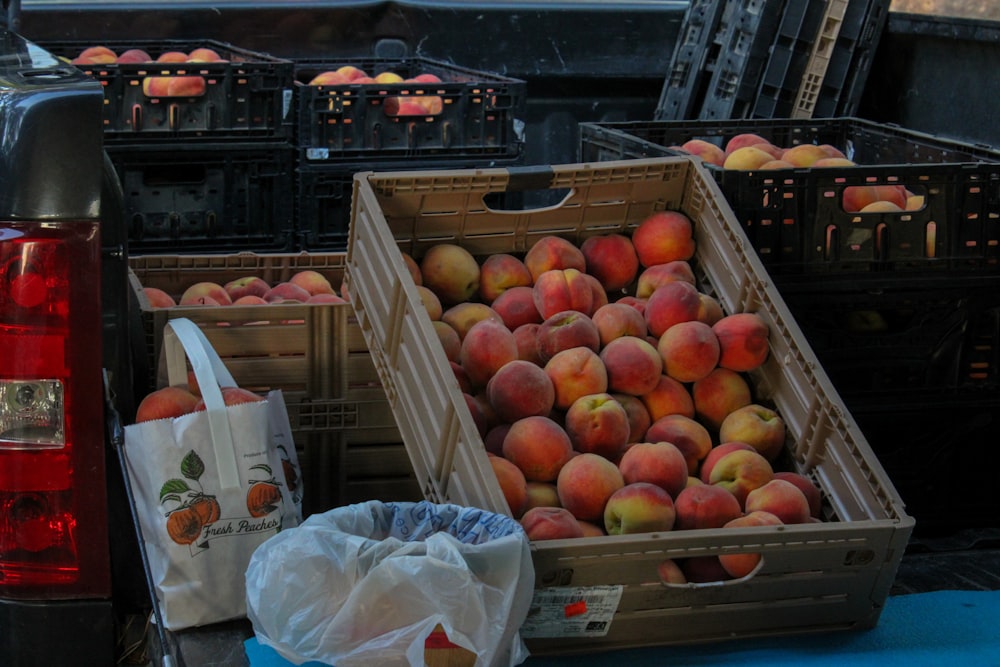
53, 525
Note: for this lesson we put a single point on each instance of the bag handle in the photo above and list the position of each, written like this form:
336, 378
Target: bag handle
211, 374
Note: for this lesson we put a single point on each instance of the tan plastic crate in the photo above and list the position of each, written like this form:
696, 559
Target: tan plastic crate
350, 447
825, 576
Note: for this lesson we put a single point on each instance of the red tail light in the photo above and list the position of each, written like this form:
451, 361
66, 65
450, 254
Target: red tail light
53, 515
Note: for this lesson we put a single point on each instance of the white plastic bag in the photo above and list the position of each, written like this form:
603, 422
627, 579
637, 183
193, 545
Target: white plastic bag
366, 584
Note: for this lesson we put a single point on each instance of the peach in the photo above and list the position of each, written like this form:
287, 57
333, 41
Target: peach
833, 162
659, 463
553, 252
559, 290
463, 316
95, 55
516, 306
691, 438
633, 365
286, 291
326, 298
451, 272
598, 424
166, 403
493, 440
487, 346
539, 446
782, 499
565, 330
706, 150
770, 148
388, 77
156, 86
661, 274
633, 302
740, 472
881, 206
585, 483
717, 394
134, 56
671, 304
351, 72
591, 529
520, 389
312, 281
413, 268
253, 285
690, 351
668, 397
709, 309
832, 150
186, 86
512, 484
705, 506
670, 572
703, 569
172, 57
807, 487
747, 158
550, 523
430, 301
195, 294
742, 139
856, 197
739, 565
499, 272
611, 258
576, 372
804, 155
403, 106
743, 341
232, 396
638, 416
526, 337
449, 340
328, 78
776, 164
479, 417
158, 298
716, 453
203, 54
639, 507
542, 494
614, 320
254, 300
598, 296
756, 425
464, 383
663, 236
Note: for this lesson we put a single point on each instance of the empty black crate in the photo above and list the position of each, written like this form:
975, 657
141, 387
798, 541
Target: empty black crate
480, 115
247, 95
207, 198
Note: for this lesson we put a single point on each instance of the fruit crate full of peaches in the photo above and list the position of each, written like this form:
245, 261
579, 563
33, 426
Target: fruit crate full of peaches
619, 374
261, 321
373, 108
883, 198
164, 90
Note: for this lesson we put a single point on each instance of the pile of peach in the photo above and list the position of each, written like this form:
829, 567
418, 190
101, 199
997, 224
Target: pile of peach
611, 393
750, 151
181, 85
306, 286
398, 105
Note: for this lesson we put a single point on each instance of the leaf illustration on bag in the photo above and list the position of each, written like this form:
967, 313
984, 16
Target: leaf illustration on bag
195, 509
264, 495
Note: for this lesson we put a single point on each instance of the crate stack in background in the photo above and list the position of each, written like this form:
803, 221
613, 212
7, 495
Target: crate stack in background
901, 307
771, 59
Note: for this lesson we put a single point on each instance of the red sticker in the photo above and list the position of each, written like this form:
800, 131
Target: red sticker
575, 608
438, 639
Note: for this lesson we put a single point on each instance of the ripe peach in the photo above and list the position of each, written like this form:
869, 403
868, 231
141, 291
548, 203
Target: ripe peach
598, 296
597, 423
639, 507
156, 86
807, 487
740, 472
134, 56
203, 54
499, 272
95, 55
670, 304
776, 164
542, 494
166, 403
747, 158
706, 150
661, 274
668, 397
705, 506
449, 339
553, 252
744, 139
186, 86
709, 309
312, 281
564, 330
881, 207
756, 425
464, 383
663, 236
478, 416
512, 484
614, 320
804, 155
739, 565
195, 294
611, 258
585, 483
430, 302
716, 453
158, 298
638, 416
743, 341
550, 523
856, 197
451, 272
690, 350
633, 302
633, 365
403, 106
413, 268
770, 148
328, 78
232, 396
703, 569
254, 300
526, 337
591, 529
576, 372
833, 162
463, 316
670, 572
253, 285
717, 394
351, 72
388, 77
560, 290
691, 438
286, 291
782, 499
660, 463
516, 306
172, 57
493, 440
487, 346
520, 389
539, 446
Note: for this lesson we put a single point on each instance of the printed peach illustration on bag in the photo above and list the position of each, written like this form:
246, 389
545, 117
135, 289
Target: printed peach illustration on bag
196, 508
264, 495
289, 469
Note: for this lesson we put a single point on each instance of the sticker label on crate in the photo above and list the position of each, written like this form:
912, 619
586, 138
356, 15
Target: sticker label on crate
582, 611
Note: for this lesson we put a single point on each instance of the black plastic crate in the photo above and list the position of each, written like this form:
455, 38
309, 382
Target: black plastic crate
794, 217
481, 115
694, 59
207, 197
247, 96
